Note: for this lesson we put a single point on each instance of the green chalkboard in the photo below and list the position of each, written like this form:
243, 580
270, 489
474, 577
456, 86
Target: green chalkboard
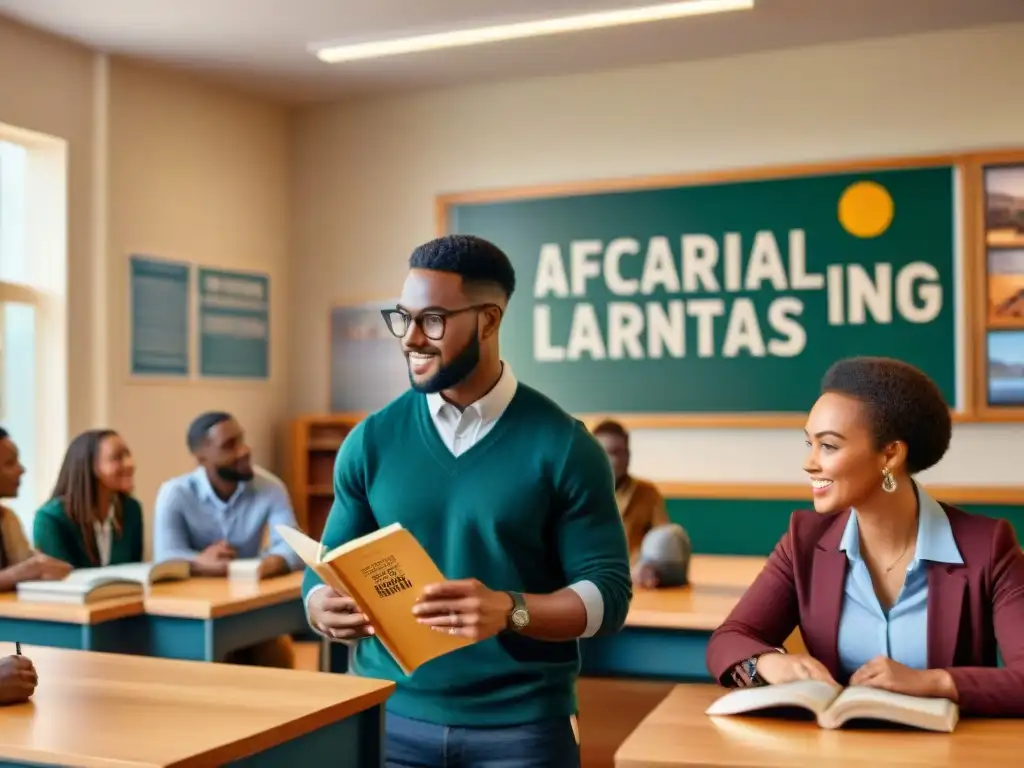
727, 297
753, 527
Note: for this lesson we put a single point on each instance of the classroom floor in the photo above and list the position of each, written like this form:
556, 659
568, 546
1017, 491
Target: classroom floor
609, 709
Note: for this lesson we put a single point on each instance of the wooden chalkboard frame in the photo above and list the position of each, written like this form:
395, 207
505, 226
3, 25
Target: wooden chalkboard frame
972, 379
976, 277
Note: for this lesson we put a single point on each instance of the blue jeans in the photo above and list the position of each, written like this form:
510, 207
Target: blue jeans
544, 744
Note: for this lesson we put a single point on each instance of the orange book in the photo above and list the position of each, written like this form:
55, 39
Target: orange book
384, 572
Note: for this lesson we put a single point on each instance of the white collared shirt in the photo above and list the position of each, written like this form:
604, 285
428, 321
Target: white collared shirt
105, 536
461, 430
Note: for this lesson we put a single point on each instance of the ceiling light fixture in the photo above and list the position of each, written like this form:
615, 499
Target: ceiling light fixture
336, 53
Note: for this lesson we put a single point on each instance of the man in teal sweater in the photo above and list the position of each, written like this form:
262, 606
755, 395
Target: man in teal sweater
514, 500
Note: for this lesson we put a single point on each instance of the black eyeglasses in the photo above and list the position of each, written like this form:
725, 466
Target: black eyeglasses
432, 323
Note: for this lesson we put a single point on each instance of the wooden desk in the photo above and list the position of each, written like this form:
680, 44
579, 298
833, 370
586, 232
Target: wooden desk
667, 630
205, 619
116, 625
725, 570
94, 710
664, 642
678, 733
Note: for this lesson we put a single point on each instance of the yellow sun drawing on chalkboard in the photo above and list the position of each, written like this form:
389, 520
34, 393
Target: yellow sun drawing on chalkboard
866, 209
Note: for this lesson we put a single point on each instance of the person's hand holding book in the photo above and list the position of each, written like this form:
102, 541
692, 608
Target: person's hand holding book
464, 607
337, 616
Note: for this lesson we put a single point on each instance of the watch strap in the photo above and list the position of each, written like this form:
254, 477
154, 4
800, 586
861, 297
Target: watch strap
518, 604
744, 674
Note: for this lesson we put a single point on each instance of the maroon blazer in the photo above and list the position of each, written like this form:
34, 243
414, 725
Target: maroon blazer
971, 608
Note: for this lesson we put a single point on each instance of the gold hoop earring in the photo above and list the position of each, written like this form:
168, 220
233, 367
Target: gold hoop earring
888, 481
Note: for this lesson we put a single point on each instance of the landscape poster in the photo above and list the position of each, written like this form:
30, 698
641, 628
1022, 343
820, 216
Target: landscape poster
1006, 368
1006, 287
1004, 206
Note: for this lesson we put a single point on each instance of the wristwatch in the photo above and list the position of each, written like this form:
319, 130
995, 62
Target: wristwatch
519, 616
746, 673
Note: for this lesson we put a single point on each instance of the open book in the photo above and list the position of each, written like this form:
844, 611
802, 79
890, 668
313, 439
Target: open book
834, 706
89, 585
384, 572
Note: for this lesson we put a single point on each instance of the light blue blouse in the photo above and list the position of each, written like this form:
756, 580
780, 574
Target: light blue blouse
865, 631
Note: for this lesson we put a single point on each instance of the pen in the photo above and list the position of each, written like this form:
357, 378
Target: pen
17, 647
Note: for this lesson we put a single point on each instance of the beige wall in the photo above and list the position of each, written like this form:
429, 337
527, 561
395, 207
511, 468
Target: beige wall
164, 165
366, 176
47, 86
201, 174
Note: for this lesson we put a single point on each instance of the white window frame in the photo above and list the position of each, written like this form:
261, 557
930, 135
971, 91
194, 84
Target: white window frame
45, 213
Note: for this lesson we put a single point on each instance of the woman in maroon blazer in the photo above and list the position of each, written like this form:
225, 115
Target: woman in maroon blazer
889, 588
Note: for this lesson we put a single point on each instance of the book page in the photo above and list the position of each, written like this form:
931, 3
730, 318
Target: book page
66, 586
811, 695
77, 592
873, 703
139, 572
305, 547
362, 541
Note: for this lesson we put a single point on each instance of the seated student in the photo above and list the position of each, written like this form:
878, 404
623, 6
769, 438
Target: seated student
890, 588
659, 551
18, 679
220, 510
91, 518
18, 562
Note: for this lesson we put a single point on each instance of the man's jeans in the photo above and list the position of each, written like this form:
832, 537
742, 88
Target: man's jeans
543, 744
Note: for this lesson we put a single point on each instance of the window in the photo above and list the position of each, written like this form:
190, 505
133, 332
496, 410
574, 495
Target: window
33, 381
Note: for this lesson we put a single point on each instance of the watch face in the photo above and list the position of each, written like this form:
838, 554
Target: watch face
520, 618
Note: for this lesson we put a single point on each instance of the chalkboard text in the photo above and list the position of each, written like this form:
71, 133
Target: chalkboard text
701, 300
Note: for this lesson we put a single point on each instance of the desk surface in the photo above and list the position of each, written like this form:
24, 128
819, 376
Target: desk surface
96, 613
678, 733
699, 607
717, 583
725, 570
99, 710
203, 598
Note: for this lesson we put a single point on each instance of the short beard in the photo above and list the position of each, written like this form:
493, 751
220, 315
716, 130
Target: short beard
232, 475
453, 374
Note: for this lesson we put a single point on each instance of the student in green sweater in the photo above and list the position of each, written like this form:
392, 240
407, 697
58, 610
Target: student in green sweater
91, 518
514, 500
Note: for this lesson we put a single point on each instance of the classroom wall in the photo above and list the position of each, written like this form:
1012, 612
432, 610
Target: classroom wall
366, 173
166, 165
47, 86
199, 173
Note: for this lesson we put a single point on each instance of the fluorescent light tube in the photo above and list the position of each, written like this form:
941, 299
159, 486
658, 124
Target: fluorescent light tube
333, 54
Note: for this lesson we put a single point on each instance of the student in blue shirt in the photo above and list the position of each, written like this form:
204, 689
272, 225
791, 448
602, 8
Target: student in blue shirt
220, 511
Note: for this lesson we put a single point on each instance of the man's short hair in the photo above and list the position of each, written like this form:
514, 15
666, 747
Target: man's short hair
200, 427
613, 428
479, 262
